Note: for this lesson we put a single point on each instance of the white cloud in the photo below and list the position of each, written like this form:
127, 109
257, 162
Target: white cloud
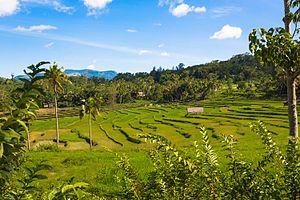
169, 2
49, 45
183, 9
200, 9
55, 4
165, 54
8, 7
35, 1
224, 11
161, 45
227, 32
96, 5
131, 30
37, 28
58, 6
99, 45
143, 52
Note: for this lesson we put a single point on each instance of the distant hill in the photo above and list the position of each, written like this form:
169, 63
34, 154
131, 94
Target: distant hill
91, 73
85, 72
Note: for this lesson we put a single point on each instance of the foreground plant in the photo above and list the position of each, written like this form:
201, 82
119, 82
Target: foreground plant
178, 175
17, 180
13, 128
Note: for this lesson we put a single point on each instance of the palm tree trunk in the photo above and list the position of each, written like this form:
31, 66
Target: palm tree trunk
90, 131
292, 107
56, 115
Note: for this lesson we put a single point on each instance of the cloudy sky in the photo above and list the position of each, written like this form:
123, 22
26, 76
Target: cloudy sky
128, 35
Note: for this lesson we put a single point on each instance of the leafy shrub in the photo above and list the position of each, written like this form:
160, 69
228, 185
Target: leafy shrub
69, 191
177, 175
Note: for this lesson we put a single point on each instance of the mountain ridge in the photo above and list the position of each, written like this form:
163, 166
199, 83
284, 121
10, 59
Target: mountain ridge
109, 74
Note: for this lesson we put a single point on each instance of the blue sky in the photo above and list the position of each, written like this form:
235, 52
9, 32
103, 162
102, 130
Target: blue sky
128, 35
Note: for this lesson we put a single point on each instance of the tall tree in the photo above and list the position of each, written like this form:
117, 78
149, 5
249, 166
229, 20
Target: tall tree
280, 47
56, 77
91, 108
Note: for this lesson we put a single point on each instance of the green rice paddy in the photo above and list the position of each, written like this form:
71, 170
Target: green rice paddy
118, 132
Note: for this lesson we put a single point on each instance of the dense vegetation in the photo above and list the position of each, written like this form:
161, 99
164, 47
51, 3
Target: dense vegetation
242, 75
176, 172
181, 171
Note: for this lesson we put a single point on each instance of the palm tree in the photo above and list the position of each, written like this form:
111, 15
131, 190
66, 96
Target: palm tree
56, 77
91, 107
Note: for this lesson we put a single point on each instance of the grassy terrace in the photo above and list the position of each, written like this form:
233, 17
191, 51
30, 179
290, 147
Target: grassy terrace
117, 132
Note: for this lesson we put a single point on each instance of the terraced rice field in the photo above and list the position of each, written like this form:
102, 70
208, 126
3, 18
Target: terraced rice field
119, 129
117, 132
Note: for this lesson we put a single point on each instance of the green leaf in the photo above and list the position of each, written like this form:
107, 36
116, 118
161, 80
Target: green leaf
23, 125
53, 194
81, 185
67, 188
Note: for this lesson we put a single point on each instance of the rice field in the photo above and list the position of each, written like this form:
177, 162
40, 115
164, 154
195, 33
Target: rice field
118, 132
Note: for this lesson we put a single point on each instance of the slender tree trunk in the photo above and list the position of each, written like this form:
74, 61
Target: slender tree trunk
291, 83
90, 131
292, 107
286, 19
56, 115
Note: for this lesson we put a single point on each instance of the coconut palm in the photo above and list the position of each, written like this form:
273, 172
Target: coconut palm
56, 77
91, 108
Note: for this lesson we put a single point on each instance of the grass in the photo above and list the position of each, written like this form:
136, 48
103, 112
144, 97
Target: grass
96, 168
118, 130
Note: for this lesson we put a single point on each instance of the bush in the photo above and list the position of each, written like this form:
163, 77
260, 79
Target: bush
179, 176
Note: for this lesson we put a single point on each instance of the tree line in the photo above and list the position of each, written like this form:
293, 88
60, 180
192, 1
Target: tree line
242, 75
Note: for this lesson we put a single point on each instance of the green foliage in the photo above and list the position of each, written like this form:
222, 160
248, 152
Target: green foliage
12, 141
276, 47
178, 175
69, 191
91, 107
130, 183
279, 47
56, 77
23, 187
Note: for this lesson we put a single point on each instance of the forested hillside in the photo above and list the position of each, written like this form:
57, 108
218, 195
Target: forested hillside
242, 75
